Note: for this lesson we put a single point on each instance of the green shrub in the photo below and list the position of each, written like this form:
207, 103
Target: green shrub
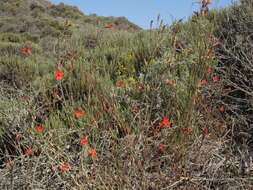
66, 11
9, 48
11, 37
31, 37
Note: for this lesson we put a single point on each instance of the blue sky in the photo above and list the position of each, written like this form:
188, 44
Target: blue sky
141, 12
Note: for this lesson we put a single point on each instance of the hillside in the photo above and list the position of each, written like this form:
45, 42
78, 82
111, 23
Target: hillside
90, 102
42, 18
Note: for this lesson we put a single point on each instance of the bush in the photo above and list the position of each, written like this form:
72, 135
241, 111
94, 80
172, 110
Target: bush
66, 11
234, 30
11, 37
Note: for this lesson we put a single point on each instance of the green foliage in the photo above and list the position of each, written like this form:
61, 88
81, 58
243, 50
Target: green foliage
9, 48
11, 37
62, 10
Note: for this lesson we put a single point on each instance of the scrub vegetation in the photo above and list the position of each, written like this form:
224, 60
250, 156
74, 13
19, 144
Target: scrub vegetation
90, 102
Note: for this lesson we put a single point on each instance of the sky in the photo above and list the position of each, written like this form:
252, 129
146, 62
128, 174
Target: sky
141, 12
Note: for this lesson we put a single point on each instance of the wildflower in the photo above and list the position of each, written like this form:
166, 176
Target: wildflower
84, 141
64, 167
8, 164
155, 132
215, 79
25, 98
162, 147
111, 26
222, 108
134, 109
206, 102
166, 122
205, 131
177, 44
216, 44
17, 138
28, 151
59, 75
120, 83
188, 129
40, 128
26, 51
94, 122
203, 82
229, 89
93, 153
205, 2
169, 82
79, 113
138, 86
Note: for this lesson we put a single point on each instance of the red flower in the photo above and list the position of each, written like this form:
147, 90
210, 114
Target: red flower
204, 2
203, 82
205, 131
26, 98
94, 122
229, 89
64, 167
111, 26
166, 122
84, 141
188, 130
222, 108
40, 128
28, 151
210, 53
162, 147
26, 51
209, 69
206, 102
120, 83
59, 75
17, 138
79, 113
216, 44
155, 132
8, 164
177, 44
138, 86
169, 82
215, 79
93, 153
